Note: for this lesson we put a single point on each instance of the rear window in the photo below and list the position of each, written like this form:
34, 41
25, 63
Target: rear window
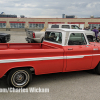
55, 26
53, 37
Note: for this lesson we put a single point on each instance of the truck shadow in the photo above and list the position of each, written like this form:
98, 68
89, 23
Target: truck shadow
38, 80
58, 77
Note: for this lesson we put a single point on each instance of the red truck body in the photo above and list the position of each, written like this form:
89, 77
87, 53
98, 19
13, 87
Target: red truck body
48, 58
63, 50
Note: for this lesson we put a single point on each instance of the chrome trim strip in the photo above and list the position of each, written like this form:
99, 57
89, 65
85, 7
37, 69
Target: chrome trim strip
45, 58
30, 59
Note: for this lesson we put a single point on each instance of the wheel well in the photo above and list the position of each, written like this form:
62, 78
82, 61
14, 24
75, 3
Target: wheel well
29, 67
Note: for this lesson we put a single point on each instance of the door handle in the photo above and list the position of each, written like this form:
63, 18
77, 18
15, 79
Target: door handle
70, 48
95, 49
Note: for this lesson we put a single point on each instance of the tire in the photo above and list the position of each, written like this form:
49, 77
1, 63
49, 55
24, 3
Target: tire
97, 69
92, 71
19, 78
90, 40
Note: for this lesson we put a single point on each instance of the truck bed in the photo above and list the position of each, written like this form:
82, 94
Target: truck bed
28, 50
25, 46
14, 55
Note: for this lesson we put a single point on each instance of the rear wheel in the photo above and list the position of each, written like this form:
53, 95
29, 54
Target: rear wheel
19, 78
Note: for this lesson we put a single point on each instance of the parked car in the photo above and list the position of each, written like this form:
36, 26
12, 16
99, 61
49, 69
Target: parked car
63, 50
33, 37
4, 38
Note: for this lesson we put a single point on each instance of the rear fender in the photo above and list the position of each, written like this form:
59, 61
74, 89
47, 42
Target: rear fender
6, 72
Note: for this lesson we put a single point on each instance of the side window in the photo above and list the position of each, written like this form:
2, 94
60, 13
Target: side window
53, 37
66, 26
77, 39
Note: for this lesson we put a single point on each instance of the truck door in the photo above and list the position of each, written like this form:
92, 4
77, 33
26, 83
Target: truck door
79, 54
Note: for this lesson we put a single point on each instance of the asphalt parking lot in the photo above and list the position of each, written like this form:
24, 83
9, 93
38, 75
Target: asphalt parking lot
81, 85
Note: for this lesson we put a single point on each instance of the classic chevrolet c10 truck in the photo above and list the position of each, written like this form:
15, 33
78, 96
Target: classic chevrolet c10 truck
63, 50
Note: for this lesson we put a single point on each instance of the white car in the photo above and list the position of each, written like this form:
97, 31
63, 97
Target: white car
33, 37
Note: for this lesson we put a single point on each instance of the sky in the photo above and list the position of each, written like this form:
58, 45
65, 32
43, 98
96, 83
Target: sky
51, 8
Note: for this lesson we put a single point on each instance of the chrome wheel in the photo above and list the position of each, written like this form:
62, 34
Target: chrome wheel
19, 78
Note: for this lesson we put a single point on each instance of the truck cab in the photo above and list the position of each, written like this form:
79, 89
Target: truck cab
78, 51
69, 37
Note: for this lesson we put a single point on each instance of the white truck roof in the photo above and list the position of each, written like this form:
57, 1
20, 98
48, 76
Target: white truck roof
63, 29
68, 32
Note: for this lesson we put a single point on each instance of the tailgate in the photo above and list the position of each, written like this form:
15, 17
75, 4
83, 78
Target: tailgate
29, 34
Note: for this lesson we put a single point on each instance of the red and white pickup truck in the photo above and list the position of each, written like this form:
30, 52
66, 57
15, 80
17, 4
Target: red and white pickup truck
63, 50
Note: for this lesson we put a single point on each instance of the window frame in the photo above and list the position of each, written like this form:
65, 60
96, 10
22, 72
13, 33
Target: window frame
87, 43
2, 26
36, 26
17, 25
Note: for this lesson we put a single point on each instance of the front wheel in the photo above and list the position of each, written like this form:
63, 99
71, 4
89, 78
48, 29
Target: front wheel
97, 69
19, 78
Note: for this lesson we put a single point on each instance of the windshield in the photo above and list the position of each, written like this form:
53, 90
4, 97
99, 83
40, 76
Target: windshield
74, 27
55, 26
53, 37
